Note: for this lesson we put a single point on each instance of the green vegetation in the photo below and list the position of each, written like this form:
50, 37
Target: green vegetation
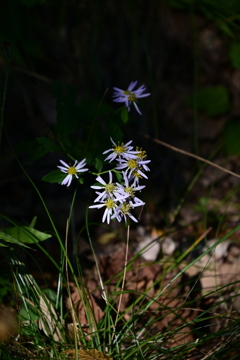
149, 269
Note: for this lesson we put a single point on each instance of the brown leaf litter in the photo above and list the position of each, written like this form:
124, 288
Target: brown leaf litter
168, 296
87, 355
175, 295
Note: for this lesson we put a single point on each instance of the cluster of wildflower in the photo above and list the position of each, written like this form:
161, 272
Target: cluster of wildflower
119, 199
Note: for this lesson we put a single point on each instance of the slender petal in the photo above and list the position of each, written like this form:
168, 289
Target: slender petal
71, 171
130, 96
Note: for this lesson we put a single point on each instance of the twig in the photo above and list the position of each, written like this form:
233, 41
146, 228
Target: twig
191, 155
32, 73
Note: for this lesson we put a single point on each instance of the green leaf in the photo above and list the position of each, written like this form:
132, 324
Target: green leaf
55, 176
119, 176
37, 148
10, 239
51, 295
235, 54
25, 234
124, 115
30, 314
98, 164
231, 135
48, 144
33, 222
214, 101
80, 180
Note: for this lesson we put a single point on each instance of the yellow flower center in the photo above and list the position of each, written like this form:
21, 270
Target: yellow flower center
110, 203
119, 149
142, 153
131, 96
129, 190
132, 164
110, 188
125, 208
72, 170
136, 174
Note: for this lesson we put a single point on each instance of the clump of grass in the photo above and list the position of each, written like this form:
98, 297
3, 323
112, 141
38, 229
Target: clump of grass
169, 319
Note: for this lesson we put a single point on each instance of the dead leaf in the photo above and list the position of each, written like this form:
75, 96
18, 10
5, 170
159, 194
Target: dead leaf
90, 306
87, 355
48, 321
142, 277
8, 323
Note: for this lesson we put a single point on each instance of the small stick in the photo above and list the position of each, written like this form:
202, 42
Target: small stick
191, 155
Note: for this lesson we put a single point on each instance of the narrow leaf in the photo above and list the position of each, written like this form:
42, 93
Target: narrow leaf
119, 176
10, 239
26, 234
98, 164
33, 222
124, 115
48, 144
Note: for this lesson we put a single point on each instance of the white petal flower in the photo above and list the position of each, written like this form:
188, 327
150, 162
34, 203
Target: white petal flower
132, 164
130, 190
123, 210
110, 189
136, 175
123, 150
127, 184
71, 171
142, 155
110, 204
130, 96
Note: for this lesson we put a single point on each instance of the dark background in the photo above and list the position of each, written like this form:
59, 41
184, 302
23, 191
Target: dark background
175, 48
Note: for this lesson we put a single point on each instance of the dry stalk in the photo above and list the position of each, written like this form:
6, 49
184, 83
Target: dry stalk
124, 278
191, 155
